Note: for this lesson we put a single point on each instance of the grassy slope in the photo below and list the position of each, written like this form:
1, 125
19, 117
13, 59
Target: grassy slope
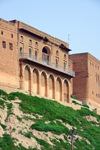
57, 117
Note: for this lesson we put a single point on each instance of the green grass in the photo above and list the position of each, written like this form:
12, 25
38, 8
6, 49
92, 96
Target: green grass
56, 128
3, 126
2, 104
9, 112
55, 113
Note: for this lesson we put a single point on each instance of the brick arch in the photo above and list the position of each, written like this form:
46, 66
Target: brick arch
27, 78
66, 90
58, 88
43, 84
47, 49
44, 73
51, 86
35, 81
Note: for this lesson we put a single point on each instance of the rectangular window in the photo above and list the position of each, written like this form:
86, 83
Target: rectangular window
64, 66
3, 44
56, 63
1, 32
10, 46
11, 35
35, 55
30, 52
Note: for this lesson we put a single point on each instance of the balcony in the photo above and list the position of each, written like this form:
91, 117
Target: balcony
46, 63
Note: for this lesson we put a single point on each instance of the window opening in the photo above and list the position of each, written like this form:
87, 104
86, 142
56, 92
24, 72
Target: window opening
21, 51
56, 63
64, 66
1, 32
30, 52
3, 44
10, 46
11, 35
35, 55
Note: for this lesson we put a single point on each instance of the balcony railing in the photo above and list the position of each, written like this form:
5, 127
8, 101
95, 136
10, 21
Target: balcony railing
46, 63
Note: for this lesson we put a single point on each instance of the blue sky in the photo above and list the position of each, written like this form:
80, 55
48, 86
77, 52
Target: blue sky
78, 18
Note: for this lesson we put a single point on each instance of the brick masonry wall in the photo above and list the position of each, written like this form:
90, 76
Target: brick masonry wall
86, 84
8, 57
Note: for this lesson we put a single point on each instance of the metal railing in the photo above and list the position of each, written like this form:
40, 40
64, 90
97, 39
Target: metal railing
47, 63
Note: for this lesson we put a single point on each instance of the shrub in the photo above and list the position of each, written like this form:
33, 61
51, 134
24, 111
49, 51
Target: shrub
75, 102
52, 126
2, 104
72, 96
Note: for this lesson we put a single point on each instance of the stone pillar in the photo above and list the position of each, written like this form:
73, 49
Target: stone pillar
63, 91
39, 86
31, 83
21, 75
47, 87
54, 92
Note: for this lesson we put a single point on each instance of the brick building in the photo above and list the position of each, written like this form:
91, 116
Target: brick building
34, 61
86, 84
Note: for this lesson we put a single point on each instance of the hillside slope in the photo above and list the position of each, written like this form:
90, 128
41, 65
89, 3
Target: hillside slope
32, 123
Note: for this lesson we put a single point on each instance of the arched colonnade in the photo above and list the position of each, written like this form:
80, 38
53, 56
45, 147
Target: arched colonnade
45, 85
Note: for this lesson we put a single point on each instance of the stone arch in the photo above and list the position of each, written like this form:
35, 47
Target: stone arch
51, 87
27, 65
58, 89
27, 78
66, 90
35, 81
43, 84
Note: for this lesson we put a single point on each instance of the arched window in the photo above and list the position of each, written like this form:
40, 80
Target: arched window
64, 56
36, 44
21, 38
45, 55
44, 50
3, 44
21, 51
30, 52
56, 63
35, 55
57, 53
30, 42
64, 66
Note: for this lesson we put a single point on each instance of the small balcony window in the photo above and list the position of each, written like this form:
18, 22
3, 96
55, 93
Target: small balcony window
30, 52
1, 32
11, 35
64, 56
56, 63
21, 38
21, 51
57, 53
3, 44
64, 66
10, 46
36, 44
35, 55
30, 42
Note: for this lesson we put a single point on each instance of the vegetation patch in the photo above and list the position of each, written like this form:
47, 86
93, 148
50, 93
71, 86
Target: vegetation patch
56, 128
9, 112
51, 116
2, 104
